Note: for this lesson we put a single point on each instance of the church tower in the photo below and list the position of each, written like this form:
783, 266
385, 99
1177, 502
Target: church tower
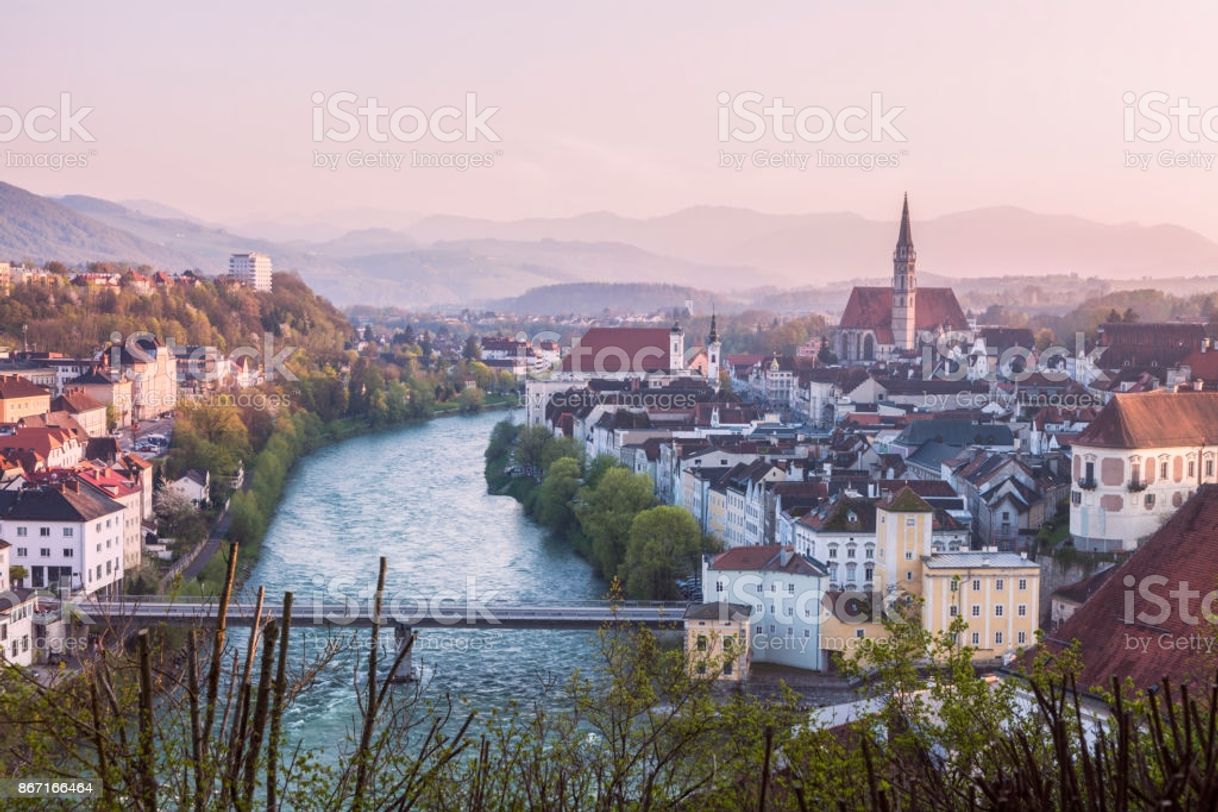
904, 287
712, 354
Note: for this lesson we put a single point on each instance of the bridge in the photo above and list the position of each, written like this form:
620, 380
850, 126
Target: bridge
436, 614
404, 616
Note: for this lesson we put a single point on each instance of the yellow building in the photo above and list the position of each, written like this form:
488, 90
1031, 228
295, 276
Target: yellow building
19, 398
717, 640
997, 594
716, 512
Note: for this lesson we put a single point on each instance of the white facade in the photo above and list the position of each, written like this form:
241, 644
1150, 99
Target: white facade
787, 606
252, 270
1122, 496
16, 618
89, 553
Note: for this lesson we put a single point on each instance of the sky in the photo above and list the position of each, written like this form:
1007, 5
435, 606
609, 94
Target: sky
211, 108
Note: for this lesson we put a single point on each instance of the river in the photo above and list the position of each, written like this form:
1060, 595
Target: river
417, 495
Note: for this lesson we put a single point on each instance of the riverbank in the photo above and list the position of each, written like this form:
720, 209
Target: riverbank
253, 509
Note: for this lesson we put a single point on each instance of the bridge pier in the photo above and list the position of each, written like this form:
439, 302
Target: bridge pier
404, 672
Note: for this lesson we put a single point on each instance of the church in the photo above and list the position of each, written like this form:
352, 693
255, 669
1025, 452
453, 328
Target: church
882, 324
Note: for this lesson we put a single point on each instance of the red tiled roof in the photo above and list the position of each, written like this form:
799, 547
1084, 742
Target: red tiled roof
1158, 419
619, 349
766, 557
1182, 551
871, 309
15, 386
1203, 365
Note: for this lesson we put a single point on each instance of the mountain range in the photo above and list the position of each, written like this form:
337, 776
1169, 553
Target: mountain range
443, 259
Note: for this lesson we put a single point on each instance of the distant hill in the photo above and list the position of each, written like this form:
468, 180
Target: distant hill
440, 260
591, 298
38, 228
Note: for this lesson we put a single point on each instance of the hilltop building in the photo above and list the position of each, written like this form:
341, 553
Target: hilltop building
252, 270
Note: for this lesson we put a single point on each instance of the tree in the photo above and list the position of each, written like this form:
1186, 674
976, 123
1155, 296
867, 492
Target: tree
664, 544
470, 399
555, 496
472, 349
606, 511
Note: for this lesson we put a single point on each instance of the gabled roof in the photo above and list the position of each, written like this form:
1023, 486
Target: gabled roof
1112, 644
74, 401
905, 501
843, 515
67, 502
1154, 420
614, 350
720, 611
871, 309
15, 386
769, 557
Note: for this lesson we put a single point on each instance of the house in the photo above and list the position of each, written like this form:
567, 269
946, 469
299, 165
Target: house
886, 322
20, 398
44, 447
1142, 458
841, 533
16, 616
194, 485
89, 413
717, 640
64, 532
108, 390
784, 590
152, 369
996, 593
1152, 344
128, 492
1148, 621
1009, 496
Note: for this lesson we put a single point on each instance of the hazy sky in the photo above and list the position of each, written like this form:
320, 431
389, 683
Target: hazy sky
614, 106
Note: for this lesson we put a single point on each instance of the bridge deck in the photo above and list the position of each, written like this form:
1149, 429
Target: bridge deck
447, 614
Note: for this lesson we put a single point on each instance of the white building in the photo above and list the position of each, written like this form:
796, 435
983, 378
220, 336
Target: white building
16, 616
786, 591
1141, 459
252, 270
66, 531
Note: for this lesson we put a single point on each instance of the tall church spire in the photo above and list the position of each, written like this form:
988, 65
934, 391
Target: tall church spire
905, 239
904, 285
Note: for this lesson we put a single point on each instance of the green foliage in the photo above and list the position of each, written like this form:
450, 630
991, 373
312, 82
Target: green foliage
553, 506
605, 514
664, 544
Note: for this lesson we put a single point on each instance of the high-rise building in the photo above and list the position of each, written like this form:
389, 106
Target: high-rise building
252, 270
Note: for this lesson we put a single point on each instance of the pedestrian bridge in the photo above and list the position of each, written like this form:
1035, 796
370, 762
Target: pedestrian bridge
413, 613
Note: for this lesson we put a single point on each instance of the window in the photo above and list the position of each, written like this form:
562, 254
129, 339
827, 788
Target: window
44, 552
998, 610
998, 638
23, 551
1023, 583
869, 552
859, 633
44, 531
955, 585
1023, 638
68, 552
851, 550
953, 610
1209, 467
833, 551
1022, 611
998, 583
701, 642
976, 610
22, 531
1076, 498
1163, 470
976, 584
728, 642
976, 639
908, 575
727, 668
909, 555
791, 589
718, 586
98, 528
1150, 500
68, 531
910, 522
1192, 469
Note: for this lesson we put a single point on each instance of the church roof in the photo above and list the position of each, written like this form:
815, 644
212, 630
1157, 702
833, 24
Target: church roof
871, 309
905, 239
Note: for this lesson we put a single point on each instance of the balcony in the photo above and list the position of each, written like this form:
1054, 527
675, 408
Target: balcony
1087, 483
1137, 487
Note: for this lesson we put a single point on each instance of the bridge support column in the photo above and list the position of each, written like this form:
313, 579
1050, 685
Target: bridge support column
404, 672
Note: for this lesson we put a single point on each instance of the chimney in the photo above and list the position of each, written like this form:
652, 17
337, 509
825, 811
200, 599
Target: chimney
785, 554
1198, 385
